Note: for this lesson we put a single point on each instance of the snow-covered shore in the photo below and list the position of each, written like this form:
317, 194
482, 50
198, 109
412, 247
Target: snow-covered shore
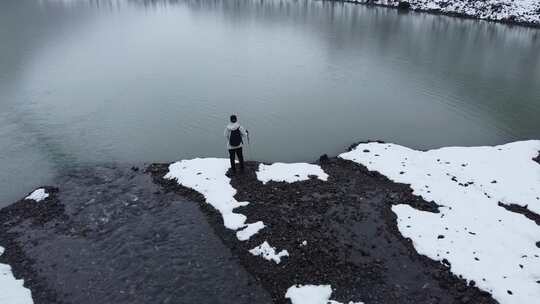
525, 12
462, 221
12, 290
482, 241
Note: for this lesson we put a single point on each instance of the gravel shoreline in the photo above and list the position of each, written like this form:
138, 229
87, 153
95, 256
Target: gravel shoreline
27, 212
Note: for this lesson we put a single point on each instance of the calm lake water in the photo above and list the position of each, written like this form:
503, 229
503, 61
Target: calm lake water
92, 82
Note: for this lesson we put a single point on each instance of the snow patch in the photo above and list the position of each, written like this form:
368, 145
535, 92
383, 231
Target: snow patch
250, 230
12, 290
290, 173
207, 176
38, 195
312, 294
481, 240
268, 252
309, 294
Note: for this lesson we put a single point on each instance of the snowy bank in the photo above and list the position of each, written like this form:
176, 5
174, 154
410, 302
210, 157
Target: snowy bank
290, 173
482, 241
207, 176
12, 290
512, 11
269, 253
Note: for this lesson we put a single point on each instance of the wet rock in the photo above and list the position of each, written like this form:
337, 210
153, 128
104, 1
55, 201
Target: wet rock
38, 213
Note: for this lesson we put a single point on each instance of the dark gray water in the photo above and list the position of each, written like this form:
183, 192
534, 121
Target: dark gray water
122, 239
92, 82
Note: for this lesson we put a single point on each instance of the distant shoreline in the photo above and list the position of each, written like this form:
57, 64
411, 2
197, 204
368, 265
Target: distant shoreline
437, 11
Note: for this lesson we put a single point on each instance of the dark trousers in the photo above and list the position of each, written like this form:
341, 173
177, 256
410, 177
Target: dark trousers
232, 154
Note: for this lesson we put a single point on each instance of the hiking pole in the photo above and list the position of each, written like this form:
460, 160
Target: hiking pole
249, 146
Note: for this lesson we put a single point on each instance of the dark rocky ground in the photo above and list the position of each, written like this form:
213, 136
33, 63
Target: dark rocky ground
352, 239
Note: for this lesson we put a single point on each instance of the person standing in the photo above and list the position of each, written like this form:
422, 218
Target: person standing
235, 135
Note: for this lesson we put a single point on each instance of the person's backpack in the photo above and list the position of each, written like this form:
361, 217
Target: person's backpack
236, 138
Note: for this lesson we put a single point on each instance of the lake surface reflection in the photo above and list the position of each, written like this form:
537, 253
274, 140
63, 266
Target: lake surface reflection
90, 82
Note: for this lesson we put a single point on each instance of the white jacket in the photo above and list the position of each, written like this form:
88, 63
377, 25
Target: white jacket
231, 127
